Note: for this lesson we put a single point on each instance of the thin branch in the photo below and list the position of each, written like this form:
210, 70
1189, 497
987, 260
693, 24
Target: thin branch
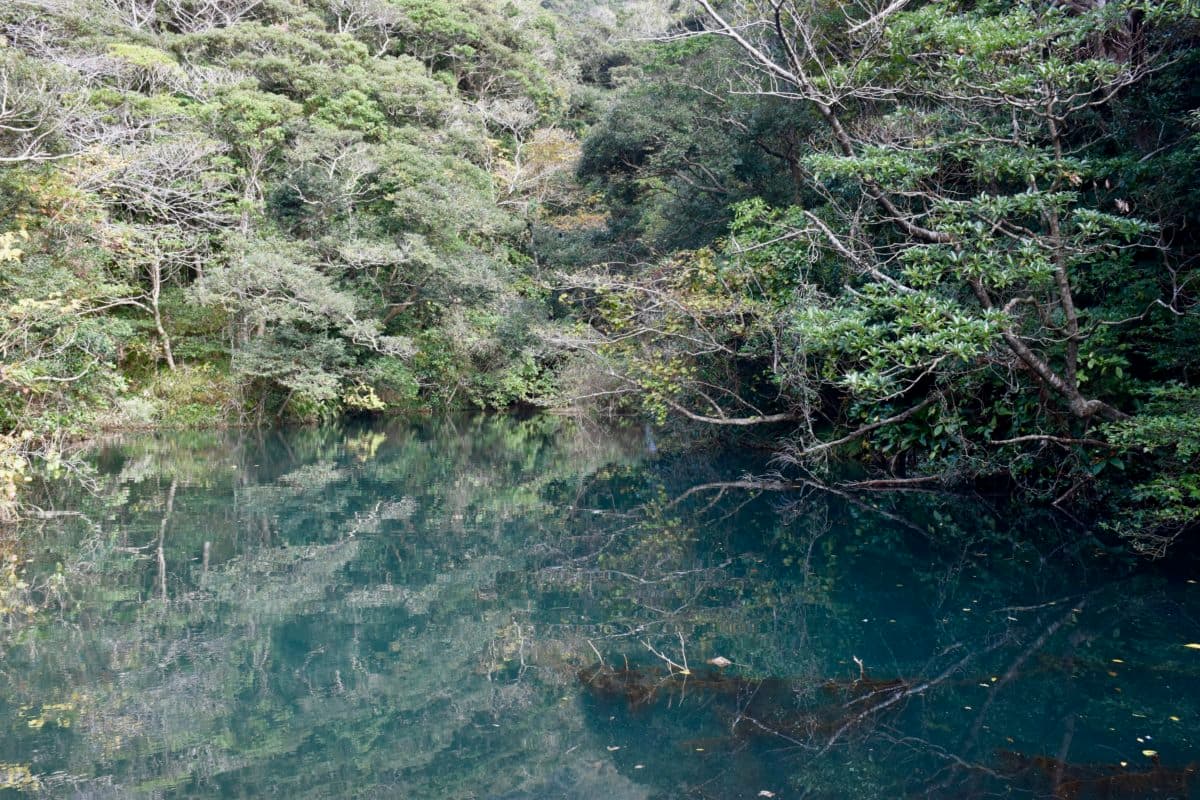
861, 432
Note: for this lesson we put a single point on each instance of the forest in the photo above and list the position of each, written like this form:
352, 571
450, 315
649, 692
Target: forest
563, 399
947, 244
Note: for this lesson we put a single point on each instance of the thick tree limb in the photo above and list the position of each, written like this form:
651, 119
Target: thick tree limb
1063, 440
892, 483
895, 6
764, 419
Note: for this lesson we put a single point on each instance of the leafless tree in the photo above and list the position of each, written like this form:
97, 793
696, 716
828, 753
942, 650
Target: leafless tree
171, 203
44, 110
374, 21
197, 16
169, 180
139, 15
334, 174
33, 123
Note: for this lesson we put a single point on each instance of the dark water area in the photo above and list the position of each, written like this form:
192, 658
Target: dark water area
503, 608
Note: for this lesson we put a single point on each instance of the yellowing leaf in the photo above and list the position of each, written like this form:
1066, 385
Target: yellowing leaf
1192, 646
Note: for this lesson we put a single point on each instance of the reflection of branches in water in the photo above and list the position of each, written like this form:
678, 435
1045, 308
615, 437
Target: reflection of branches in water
926, 747
672, 667
749, 484
162, 532
909, 691
1019, 662
824, 710
811, 718
1111, 615
1056, 775
650, 555
814, 728
644, 581
803, 487
663, 590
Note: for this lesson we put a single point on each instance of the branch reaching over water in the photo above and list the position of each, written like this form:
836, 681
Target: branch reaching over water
795, 456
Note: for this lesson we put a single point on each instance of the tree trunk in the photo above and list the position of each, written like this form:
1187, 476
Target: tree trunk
155, 294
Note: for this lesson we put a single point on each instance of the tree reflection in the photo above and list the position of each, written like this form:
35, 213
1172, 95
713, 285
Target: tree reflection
498, 608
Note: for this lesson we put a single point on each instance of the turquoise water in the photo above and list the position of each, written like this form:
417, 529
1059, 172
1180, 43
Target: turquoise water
501, 608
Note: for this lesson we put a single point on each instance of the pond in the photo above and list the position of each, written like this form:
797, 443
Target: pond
529, 608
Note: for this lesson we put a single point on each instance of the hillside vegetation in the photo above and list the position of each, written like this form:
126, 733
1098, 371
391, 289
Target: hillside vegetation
954, 241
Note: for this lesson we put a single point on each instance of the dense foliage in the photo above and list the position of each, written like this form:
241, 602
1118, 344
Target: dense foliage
269, 208
956, 237
954, 240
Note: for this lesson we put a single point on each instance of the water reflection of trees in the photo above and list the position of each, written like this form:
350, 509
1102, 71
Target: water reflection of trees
416, 610
983, 688
250, 612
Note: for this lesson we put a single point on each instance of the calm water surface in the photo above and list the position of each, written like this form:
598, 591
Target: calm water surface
498, 608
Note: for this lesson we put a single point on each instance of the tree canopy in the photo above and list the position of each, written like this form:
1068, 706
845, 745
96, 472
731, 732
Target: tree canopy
955, 256
951, 240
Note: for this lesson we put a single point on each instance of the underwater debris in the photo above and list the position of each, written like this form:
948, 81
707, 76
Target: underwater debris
1066, 781
794, 709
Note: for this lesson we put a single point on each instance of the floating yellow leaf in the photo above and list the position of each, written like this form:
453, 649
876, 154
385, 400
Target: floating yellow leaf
1149, 753
1192, 646
1173, 718
1117, 661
